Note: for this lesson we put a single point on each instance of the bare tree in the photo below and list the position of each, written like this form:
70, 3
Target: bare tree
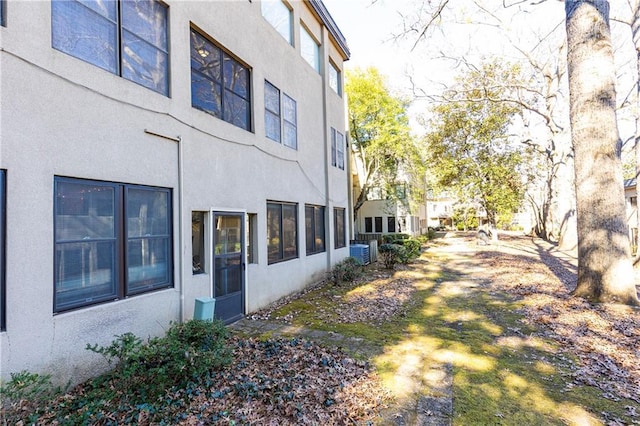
605, 272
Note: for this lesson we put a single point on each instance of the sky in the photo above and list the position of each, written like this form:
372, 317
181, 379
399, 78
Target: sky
369, 28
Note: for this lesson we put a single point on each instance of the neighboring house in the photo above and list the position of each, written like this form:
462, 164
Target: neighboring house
382, 214
631, 202
152, 153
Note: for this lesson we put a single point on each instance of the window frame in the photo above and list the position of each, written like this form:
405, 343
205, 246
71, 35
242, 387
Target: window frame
281, 252
314, 217
226, 95
198, 232
377, 220
123, 286
392, 224
335, 75
368, 225
286, 120
307, 40
277, 26
339, 227
123, 36
340, 150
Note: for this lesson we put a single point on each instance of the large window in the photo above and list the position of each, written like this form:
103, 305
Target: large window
3, 228
280, 122
282, 231
378, 224
112, 240
339, 230
391, 224
337, 149
127, 38
219, 83
309, 48
335, 79
314, 228
279, 16
368, 224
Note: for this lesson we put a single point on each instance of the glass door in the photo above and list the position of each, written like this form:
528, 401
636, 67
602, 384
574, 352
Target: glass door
228, 261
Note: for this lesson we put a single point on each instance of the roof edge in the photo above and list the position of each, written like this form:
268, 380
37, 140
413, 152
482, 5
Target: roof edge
322, 11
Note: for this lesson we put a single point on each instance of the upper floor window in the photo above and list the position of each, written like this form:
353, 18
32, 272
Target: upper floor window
127, 37
282, 231
280, 116
278, 15
314, 228
337, 149
309, 48
335, 78
111, 240
219, 83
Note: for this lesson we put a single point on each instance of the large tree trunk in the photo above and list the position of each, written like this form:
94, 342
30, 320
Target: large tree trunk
605, 272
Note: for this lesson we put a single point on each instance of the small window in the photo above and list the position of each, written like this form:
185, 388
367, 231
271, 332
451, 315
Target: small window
252, 231
197, 242
282, 231
335, 79
337, 149
634, 201
334, 147
112, 240
309, 49
368, 224
219, 83
314, 229
339, 227
280, 116
378, 224
340, 150
391, 224
126, 38
279, 16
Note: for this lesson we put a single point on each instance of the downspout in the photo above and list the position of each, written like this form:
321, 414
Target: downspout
327, 151
178, 141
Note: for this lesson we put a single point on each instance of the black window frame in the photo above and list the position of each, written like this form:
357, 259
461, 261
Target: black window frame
3, 233
314, 226
377, 221
122, 35
121, 241
198, 247
226, 94
340, 227
279, 113
281, 252
392, 224
368, 225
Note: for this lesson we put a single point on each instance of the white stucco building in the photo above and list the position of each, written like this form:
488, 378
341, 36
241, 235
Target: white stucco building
152, 153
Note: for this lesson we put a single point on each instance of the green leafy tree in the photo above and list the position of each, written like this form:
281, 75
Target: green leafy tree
381, 142
469, 145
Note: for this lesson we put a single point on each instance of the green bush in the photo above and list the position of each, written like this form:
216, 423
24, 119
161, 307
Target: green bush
412, 249
347, 270
391, 254
187, 353
392, 238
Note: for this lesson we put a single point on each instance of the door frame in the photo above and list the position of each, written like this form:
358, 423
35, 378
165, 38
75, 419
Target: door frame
210, 224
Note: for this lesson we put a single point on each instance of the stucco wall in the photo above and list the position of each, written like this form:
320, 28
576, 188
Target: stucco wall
61, 116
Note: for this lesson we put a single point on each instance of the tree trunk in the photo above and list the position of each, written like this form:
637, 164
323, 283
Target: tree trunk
635, 34
605, 272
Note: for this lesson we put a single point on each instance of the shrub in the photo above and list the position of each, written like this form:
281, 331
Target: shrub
393, 238
187, 353
347, 270
390, 254
412, 249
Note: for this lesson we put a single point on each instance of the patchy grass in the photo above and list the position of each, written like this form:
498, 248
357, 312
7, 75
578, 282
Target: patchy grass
507, 368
